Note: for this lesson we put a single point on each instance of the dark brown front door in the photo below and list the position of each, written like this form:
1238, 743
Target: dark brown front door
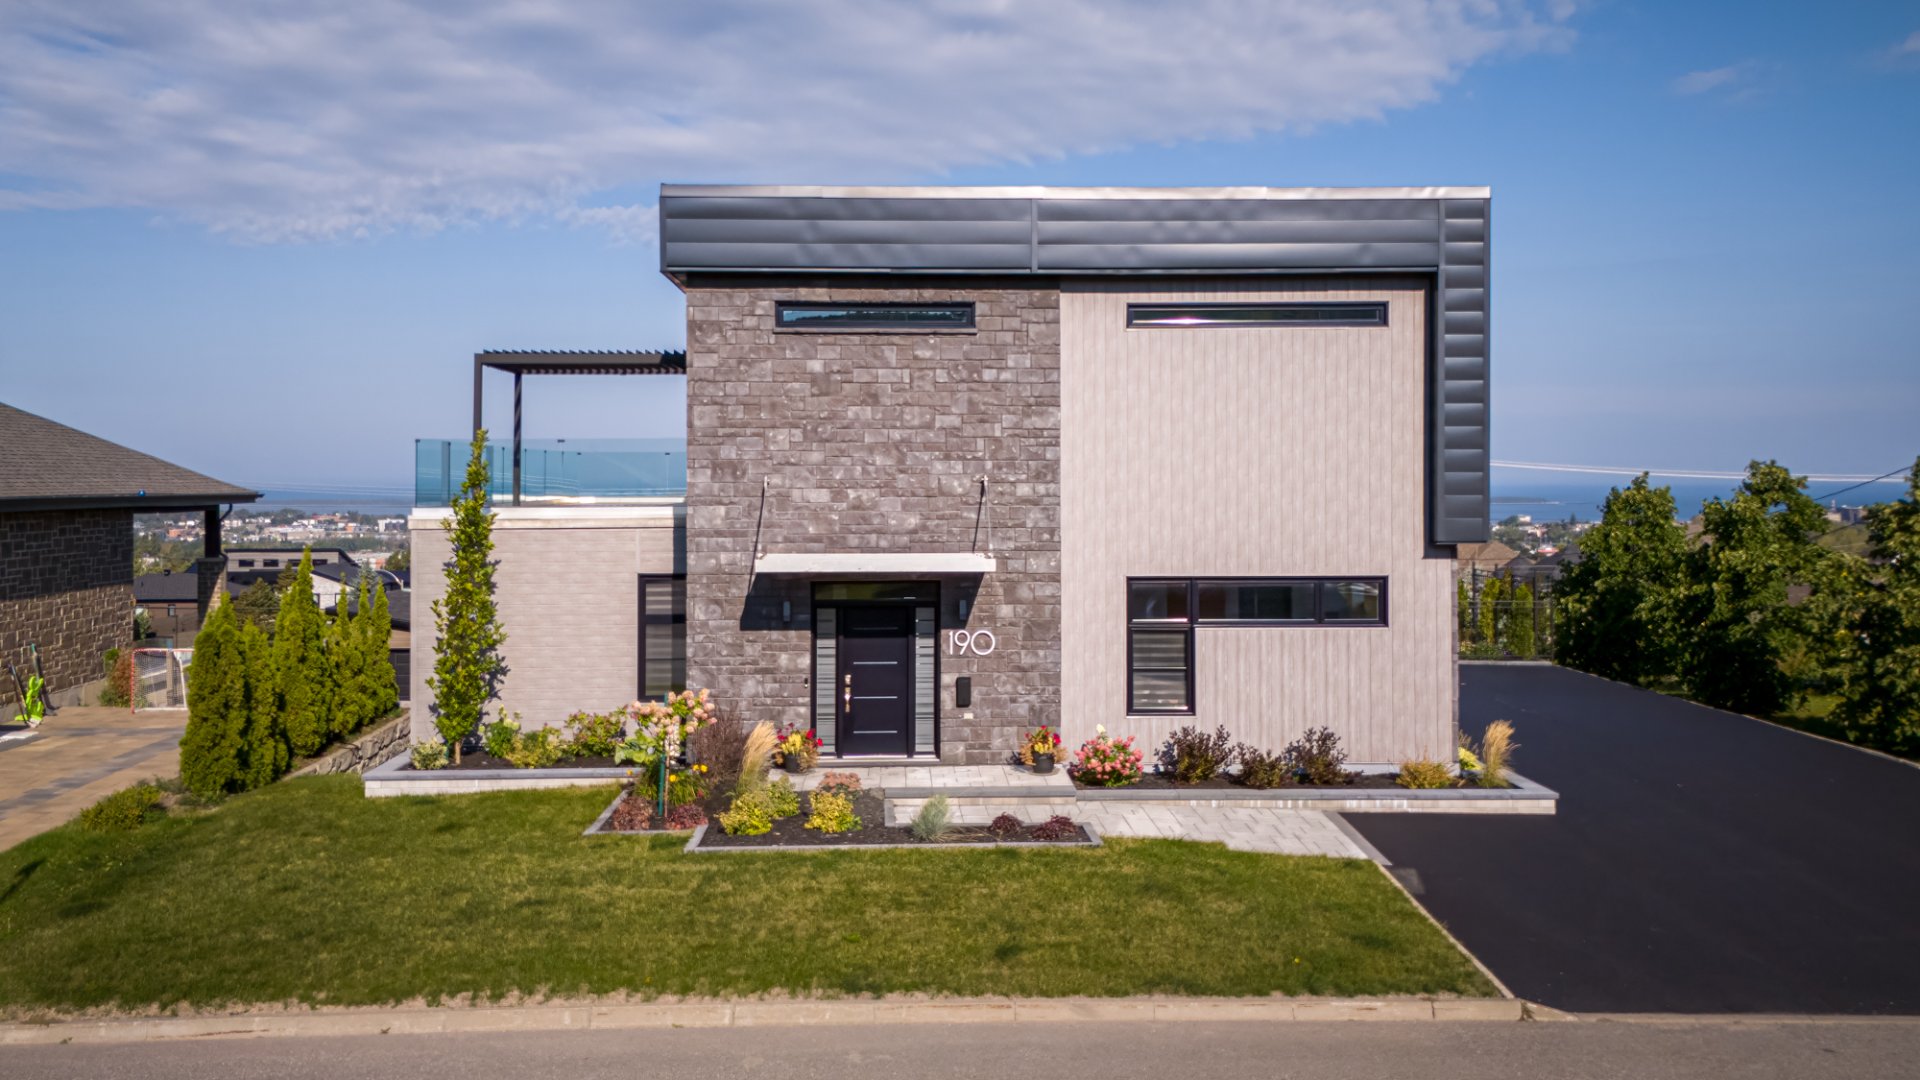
875, 681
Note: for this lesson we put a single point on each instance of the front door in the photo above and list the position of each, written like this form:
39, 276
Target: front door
875, 711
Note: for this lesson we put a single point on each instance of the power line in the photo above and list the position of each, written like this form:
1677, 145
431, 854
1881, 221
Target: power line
1863, 483
1857, 479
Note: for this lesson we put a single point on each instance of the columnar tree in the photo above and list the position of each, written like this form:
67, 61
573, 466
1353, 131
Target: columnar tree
375, 627
1490, 595
1520, 640
264, 755
300, 664
1619, 604
211, 747
1463, 611
1738, 623
345, 659
467, 664
1880, 689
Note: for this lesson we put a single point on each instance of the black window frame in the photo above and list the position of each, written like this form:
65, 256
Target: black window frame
1320, 584
670, 619
968, 325
1182, 625
1370, 314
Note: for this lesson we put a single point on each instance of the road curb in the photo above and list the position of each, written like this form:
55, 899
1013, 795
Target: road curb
711, 1014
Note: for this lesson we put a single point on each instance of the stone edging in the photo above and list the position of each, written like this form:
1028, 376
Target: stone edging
712, 1014
1093, 840
1530, 797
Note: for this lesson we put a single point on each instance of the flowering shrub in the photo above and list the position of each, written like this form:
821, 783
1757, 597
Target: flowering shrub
845, 783
832, 812
597, 734
797, 742
1041, 740
661, 728
1106, 762
686, 784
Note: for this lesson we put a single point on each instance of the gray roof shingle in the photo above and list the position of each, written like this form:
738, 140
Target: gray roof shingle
45, 465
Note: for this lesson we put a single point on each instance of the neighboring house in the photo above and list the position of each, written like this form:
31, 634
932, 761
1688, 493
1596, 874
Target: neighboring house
1491, 557
965, 461
67, 501
172, 603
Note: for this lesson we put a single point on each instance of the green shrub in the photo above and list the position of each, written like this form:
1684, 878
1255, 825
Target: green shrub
832, 812
431, 754
1317, 758
300, 665
1193, 756
117, 691
934, 821
1424, 774
596, 734
1263, 768
124, 810
782, 798
751, 814
1481, 650
500, 737
537, 749
217, 708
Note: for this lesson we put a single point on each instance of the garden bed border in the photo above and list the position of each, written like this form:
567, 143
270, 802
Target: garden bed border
1092, 841
1524, 797
392, 777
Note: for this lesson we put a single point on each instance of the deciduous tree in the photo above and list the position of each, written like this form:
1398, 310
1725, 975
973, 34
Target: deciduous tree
1880, 689
1619, 604
1520, 640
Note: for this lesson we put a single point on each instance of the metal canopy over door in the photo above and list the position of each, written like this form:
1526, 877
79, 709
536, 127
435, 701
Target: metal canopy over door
874, 704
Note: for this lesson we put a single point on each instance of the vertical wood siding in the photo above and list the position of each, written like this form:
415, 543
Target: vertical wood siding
1254, 452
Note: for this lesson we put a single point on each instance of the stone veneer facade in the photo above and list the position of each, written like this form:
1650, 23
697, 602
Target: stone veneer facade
875, 442
66, 585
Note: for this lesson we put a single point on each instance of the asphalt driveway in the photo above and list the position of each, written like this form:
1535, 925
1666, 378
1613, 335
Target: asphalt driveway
1701, 862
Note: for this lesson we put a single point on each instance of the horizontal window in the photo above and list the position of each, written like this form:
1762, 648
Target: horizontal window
1257, 601
797, 315
1314, 313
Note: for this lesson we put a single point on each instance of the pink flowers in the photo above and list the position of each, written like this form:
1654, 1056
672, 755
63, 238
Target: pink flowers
1106, 762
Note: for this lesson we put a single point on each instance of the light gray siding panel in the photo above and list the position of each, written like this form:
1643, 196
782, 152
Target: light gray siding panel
1234, 478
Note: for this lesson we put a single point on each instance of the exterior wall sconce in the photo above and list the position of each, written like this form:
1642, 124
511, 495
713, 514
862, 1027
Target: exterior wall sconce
966, 605
786, 612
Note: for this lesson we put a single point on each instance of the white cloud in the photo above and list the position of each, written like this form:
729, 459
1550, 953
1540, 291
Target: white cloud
1700, 82
1909, 47
292, 121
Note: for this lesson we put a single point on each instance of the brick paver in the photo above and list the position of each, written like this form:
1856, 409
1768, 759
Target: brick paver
1283, 832
77, 756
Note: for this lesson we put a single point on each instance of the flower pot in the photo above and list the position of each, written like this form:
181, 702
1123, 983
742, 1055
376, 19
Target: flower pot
1043, 763
793, 764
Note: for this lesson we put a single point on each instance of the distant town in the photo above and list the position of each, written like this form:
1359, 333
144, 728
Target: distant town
163, 542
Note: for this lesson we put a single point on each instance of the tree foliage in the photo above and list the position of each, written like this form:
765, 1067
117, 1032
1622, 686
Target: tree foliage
467, 664
264, 751
1880, 661
1619, 604
376, 636
346, 664
1463, 611
1739, 625
300, 664
1491, 594
259, 604
1520, 636
210, 749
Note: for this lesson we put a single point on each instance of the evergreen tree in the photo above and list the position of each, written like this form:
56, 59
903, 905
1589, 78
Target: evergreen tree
1520, 640
467, 665
1880, 689
1618, 605
1463, 611
376, 629
345, 658
1490, 595
300, 664
210, 749
1739, 625
264, 754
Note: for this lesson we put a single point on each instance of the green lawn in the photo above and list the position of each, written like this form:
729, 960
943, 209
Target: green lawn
307, 891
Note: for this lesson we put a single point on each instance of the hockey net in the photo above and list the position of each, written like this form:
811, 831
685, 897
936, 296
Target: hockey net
160, 678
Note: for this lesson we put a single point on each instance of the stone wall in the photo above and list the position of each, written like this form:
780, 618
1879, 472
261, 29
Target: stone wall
66, 585
369, 748
875, 442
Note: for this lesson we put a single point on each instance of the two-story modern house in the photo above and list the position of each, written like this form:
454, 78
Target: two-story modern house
961, 461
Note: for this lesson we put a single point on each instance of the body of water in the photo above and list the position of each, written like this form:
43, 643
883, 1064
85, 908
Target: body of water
1555, 497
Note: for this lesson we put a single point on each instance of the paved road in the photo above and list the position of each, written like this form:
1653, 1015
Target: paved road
77, 756
1090, 1051
1701, 862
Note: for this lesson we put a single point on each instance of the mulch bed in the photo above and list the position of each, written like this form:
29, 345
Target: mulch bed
792, 832
1164, 782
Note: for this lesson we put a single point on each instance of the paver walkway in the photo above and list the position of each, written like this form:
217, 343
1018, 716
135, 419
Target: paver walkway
77, 756
1282, 832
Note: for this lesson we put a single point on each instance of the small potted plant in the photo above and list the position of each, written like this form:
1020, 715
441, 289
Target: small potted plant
798, 748
1041, 749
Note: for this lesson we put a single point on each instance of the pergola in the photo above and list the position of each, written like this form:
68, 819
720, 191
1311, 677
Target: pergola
563, 362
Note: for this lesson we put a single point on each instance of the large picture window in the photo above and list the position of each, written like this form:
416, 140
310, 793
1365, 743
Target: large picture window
1162, 613
808, 315
663, 637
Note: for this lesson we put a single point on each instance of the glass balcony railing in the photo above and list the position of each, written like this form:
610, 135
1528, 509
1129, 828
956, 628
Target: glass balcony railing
555, 472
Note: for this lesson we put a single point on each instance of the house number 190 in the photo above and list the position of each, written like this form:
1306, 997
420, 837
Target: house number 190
965, 642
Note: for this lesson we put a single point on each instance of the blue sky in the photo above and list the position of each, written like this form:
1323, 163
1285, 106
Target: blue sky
267, 247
